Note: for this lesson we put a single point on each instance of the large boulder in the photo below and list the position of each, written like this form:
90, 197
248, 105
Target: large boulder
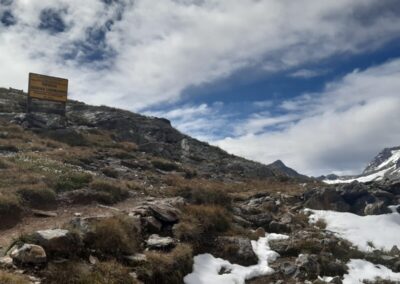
325, 199
29, 254
235, 249
58, 242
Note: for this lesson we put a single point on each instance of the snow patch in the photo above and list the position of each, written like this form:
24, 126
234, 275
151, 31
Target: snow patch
360, 270
206, 268
375, 176
382, 230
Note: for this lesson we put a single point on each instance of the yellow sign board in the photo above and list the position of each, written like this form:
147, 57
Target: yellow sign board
47, 88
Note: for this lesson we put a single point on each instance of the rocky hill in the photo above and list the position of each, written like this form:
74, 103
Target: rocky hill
107, 196
385, 166
152, 135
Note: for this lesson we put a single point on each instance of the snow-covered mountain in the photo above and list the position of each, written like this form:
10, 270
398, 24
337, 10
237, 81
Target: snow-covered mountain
386, 165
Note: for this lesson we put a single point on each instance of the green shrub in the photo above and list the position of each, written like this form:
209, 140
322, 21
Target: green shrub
113, 236
112, 192
38, 197
167, 268
72, 181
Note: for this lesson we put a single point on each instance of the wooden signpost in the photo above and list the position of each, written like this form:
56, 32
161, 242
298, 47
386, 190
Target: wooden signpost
46, 88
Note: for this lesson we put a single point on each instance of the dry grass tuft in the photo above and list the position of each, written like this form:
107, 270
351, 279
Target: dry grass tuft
114, 236
8, 278
167, 268
200, 224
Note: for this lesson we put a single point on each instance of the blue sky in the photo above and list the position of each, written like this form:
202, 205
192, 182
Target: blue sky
314, 83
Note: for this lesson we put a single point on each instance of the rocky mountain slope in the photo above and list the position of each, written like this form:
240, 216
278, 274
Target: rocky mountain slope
385, 166
152, 135
111, 197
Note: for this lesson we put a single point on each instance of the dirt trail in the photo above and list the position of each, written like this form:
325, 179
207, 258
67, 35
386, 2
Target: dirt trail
64, 213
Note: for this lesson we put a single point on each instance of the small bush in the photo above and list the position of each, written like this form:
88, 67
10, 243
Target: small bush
114, 236
110, 172
164, 165
9, 148
167, 268
38, 197
72, 181
111, 272
113, 192
4, 164
8, 278
10, 210
321, 224
204, 195
200, 224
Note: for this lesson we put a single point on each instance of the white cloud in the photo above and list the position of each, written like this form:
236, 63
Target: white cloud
339, 129
307, 73
160, 48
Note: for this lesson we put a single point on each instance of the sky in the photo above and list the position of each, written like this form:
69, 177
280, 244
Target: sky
313, 83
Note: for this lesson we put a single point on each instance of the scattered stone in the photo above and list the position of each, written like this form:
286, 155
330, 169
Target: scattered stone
29, 254
93, 260
136, 259
6, 262
157, 242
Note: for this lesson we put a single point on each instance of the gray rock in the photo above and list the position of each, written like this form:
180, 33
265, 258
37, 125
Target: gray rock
151, 224
165, 213
29, 254
58, 242
235, 249
160, 243
6, 262
288, 268
136, 259
325, 199
376, 208
260, 220
307, 267
276, 227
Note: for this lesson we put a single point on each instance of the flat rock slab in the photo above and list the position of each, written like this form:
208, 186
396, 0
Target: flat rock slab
44, 214
157, 242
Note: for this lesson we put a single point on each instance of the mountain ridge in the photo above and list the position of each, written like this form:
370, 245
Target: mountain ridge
384, 166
